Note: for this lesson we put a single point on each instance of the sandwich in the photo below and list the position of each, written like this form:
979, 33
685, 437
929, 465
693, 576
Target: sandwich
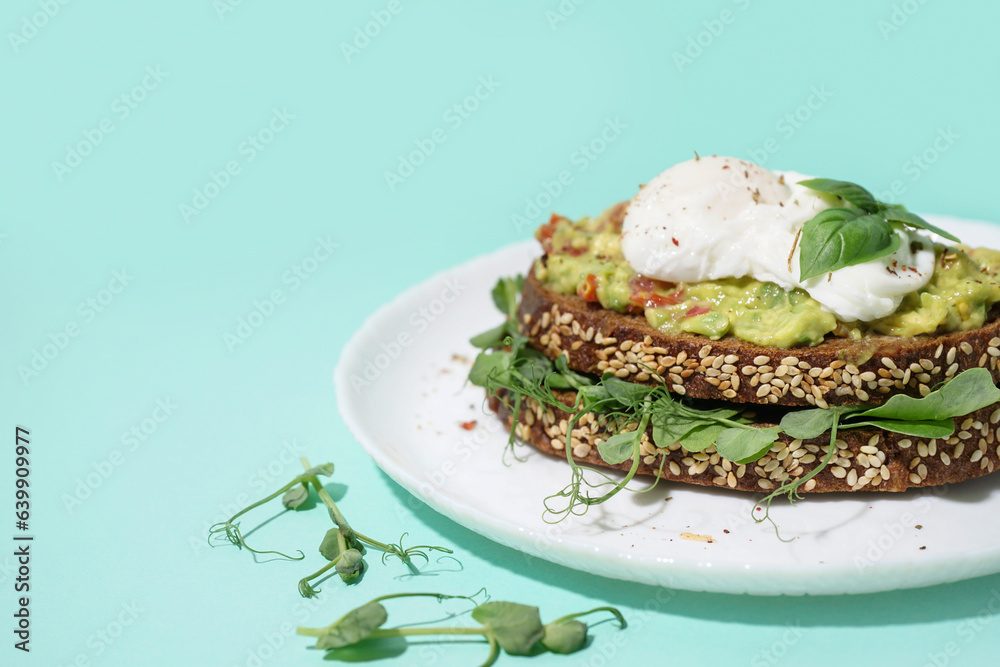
753, 330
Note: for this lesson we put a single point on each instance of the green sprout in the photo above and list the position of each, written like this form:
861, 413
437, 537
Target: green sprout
342, 546
512, 627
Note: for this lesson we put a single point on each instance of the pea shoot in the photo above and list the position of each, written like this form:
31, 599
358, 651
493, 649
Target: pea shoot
342, 546
629, 410
512, 627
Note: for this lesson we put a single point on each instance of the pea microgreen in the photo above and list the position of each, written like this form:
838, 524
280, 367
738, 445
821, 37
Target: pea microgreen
514, 628
839, 237
342, 546
626, 410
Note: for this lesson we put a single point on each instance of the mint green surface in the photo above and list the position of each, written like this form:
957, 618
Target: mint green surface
279, 143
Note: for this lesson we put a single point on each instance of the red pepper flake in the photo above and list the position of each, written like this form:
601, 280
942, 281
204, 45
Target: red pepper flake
588, 288
674, 240
469, 425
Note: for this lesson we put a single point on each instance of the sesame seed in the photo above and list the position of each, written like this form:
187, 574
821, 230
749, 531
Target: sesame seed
888, 363
966, 347
861, 394
905, 443
852, 477
761, 360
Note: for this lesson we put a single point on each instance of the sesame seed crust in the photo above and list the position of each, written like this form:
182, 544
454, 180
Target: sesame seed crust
838, 371
866, 459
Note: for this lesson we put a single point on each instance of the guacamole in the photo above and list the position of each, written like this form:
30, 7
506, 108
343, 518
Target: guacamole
585, 258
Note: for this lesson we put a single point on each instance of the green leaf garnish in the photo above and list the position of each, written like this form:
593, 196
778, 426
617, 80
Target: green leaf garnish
852, 193
516, 627
840, 237
837, 238
342, 546
618, 448
512, 627
354, 626
745, 445
295, 496
966, 392
627, 409
893, 214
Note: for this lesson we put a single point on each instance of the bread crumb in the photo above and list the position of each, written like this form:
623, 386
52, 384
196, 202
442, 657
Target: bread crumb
698, 538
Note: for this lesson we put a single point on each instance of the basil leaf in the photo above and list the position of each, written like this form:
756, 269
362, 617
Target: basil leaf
744, 445
516, 627
354, 626
914, 220
967, 392
488, 363
849, 192
837, 238
806, 424
928, 428
619, 448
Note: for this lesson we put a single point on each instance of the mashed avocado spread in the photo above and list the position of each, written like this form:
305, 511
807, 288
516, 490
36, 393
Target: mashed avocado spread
585, 258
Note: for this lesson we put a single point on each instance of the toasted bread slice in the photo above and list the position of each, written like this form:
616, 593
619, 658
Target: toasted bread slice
838, 371
867, 459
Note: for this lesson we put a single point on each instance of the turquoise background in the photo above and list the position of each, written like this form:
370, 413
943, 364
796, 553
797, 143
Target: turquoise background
903, 95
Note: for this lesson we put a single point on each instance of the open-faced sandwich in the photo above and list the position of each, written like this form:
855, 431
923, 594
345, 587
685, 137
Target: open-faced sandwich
754, 330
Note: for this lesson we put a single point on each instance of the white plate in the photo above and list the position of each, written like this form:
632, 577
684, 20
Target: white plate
400, 391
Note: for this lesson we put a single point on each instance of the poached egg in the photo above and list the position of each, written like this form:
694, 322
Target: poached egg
720, 217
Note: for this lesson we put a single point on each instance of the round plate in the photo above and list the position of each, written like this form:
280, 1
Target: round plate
401, 390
